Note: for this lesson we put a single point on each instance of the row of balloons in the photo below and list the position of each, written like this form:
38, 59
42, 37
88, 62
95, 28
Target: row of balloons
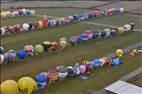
18, 12
27, 85
10, 55
46, 23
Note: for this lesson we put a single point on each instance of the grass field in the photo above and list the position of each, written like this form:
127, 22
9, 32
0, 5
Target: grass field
89, 50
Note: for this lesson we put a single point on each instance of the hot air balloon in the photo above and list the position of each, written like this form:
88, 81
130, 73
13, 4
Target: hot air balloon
28, 12
3, 14
73, 40
76, 69
46, 45
27, 85
120, 30
116, 62
89, 33
2, 31
82, 68
70, 71
26, 26
84, 37
53, 76
8, 13
39, 49
9, 87
1, 58
1, 50
63, 44
121, 10
127, 27
62, 71
21, 54
40, 24
32, 12
113, 32
108, 32
54, 46
119, 52
29, 49
41, 80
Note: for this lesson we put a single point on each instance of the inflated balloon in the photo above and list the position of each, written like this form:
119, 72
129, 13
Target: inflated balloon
63, 44
116, 61
28, 12
121, 9
26, 26
46, 45
9, 87
76, 69
3, 14
113, 32
63, 39
21, 54
120, 30
8, 13
24, 11
15, 13
53, 75
84, 37
73, 40
70, 71
1, 50
1, 58
108, 32
27, 85
2, 31
102, 60
39, 49
54, 45
29, 49
119, 52
89, 33
40, 24
62, 71
32, 12
97, 62
82, 68
41, 81
103, 34
127, 27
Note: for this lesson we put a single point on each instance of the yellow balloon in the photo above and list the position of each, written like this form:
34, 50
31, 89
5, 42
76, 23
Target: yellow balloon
119, 52
27, 85
40, 24
9, 87
33, 12
120, 30
8, 13
63, 44
3, 14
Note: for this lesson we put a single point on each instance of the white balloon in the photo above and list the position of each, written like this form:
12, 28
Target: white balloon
127, 27
1, 58
26, 26
14, 13
2, 31
121, 9
24, 11
108, 32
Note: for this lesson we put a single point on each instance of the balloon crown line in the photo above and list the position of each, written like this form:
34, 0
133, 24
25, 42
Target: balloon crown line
17, 13
28, 85
29, 50
46, 23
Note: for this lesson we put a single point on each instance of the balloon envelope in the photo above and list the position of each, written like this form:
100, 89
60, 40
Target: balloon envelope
26, 26
21, 54
27, 83
1, 58
9, 87
39, 48
119, 52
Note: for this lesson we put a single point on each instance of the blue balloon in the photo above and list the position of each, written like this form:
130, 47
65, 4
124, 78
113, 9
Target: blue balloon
84, 36
40, 78
113, 33
1, 50
116, 61
96, 62
21, 54
28, 12
103, 34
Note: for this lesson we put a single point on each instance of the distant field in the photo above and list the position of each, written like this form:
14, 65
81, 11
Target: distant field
69, 56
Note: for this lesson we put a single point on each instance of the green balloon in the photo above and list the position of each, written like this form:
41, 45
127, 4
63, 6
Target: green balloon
39, 48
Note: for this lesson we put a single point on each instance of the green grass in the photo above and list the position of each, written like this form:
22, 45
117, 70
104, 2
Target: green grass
60, 11
121, 20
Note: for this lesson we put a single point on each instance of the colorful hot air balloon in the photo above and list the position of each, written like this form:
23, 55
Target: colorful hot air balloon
73, 40
39, 49
46, 45
41, 80
29, 49
54, 46
82, 68
27, 85
120, 30
127, 27
21, 54
63, 44
62, 71
9, 87
116, 62
1, 50
53, 76
119, 52
32, 12
70, 71
76, 69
